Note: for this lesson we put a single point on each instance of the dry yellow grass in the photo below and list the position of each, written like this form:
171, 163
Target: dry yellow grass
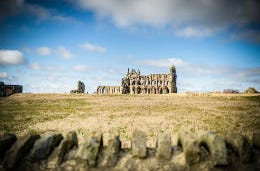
23, 113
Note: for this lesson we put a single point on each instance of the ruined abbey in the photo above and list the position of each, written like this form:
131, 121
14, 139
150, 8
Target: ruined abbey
135, 83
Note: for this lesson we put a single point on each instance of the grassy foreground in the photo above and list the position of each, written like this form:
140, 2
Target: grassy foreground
170, 113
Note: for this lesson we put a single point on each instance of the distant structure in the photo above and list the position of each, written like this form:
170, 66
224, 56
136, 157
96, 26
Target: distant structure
251, 90
135, 83
81, 88
7, 90
230, 91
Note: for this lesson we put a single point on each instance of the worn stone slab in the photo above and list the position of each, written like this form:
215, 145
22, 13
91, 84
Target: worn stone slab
164, 146
6, 141
138, 144
44, 146
190, 146
113, 149
256, 139
240, 145
18, 150
90, 149
216, 146
66, 144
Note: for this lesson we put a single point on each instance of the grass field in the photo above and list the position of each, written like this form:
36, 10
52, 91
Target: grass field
170, 113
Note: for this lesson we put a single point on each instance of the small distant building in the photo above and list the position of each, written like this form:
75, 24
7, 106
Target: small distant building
251, 90
7, 90
81, 88
230, 91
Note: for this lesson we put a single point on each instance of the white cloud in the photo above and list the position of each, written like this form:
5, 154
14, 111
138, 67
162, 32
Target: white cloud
35, 66
81, 68
166, 63
65, 53
44, 51
92, 47
194, 32
11, 57
3, 75
60, 50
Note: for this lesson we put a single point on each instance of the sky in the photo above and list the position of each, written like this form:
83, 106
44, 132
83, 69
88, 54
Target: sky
48, 45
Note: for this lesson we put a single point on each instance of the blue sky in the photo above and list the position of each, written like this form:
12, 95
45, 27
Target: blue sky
48, 45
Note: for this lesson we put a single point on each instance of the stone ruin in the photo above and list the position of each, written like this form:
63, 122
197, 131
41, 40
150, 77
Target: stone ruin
135, 83
81, 88
7, 90
193, 151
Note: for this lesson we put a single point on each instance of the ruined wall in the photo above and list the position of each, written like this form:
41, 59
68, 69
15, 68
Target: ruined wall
80, 88
109, 90
193, 151
7, 90
135, 83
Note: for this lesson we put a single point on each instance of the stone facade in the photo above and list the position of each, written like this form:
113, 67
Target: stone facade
135, 83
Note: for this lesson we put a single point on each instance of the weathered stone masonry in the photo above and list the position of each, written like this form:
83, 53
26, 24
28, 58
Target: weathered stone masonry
7, 90
135, 83
200, 151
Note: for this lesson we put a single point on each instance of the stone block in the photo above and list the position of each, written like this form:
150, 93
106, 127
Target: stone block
216, 146
113, 149
44, 146
19, 150
90, 149
138, 144
190, 146
66, 144
6, 141
240, 145
164, 146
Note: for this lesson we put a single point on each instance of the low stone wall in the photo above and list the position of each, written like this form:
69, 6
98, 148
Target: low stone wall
193, 151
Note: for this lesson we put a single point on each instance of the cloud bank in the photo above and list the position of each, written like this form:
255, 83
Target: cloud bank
197, 18
11, 57
16, 7
60, 50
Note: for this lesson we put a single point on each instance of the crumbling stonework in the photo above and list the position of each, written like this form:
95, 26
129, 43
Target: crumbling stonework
80, 89
193, 151
7, 90
135, 83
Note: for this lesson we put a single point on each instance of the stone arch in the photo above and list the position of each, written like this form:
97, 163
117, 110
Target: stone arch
153, 90
160, 90
105, 91
133, 90
165, 90
145, 90
138, 90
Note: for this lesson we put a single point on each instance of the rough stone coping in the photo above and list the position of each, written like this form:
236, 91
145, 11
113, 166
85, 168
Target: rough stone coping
200, 151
